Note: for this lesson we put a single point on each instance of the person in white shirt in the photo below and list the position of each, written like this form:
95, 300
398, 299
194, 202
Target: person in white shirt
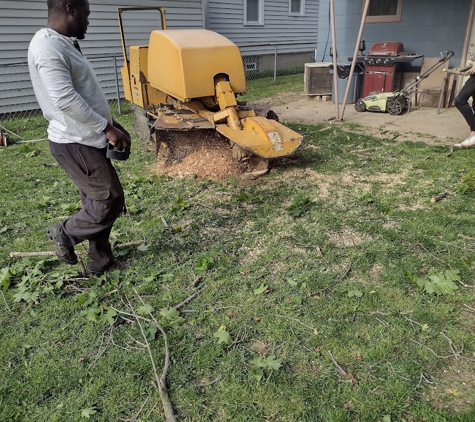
80, 128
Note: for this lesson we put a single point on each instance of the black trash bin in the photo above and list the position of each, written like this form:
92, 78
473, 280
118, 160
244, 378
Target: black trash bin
343, 72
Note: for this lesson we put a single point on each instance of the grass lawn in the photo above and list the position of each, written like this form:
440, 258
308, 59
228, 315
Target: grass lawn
332, 289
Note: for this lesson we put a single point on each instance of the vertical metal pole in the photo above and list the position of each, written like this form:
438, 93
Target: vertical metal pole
353, 62
117, 84
275, 64
335, 68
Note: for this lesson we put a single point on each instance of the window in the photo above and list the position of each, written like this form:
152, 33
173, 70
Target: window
384, 10
296, 7
254, 12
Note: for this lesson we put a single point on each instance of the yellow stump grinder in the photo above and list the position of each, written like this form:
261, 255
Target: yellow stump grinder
187, 80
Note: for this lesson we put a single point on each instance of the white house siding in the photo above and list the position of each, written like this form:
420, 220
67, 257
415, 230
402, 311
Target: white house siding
21, 19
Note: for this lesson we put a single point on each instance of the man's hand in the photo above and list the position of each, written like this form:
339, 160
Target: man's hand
470, 64
117, 135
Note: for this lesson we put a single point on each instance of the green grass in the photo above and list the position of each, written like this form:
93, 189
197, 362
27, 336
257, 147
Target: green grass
314, 264
266, 87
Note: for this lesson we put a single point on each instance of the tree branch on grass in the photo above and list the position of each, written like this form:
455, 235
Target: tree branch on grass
189, 298
161, 380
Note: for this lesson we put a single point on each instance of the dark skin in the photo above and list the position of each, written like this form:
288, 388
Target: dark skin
73, 22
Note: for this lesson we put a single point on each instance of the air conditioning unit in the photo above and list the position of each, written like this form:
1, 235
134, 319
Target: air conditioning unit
318, 79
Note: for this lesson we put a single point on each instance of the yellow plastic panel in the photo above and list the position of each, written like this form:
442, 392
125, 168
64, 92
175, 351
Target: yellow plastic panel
184, 62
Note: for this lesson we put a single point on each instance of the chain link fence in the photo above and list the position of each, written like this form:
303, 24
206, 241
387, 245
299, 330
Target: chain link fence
261, 61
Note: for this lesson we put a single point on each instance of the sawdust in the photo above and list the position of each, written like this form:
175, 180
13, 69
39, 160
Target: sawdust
203, 154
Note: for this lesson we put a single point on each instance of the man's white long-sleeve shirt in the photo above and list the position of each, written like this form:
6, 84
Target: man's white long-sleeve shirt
67, 90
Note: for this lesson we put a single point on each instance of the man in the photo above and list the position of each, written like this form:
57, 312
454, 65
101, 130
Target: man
80, 127
461, 102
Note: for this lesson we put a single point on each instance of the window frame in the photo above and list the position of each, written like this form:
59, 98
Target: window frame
386, 18
302, 9
260, 12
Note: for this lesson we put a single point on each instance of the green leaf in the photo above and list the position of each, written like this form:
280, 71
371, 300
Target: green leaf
292, 282
258, 373
143, 247
203, 264
439, 283
355, 293
144, 310
223, 337
299, 206
258, 362
5, 278
169, 313
109, 316
88, 412
261, 289
273, 363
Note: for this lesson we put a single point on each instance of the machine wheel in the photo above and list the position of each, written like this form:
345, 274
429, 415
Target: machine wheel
394, 107
360, 105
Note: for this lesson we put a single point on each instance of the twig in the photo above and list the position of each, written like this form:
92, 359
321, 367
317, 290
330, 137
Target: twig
429, 349
80, 252
206, 384
335, 282
429, 252
121, 313
468, 307
423, 378
296, 320
101, 352
6, 304
452, 346
161, 381
134, 418
273, 414
415, 322
337, 367
189, 298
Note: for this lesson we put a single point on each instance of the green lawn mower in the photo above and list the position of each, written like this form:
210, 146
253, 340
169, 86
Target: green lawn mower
397, 102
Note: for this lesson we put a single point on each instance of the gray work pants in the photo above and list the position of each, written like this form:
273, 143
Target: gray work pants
102, 200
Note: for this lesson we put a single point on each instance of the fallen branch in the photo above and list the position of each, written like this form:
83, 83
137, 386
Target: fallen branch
81, 252
189, 298
338, 368
161, 381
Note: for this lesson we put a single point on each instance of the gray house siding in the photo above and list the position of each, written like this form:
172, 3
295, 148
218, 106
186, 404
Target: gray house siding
294, 38
21, 19
227, 18
427, 27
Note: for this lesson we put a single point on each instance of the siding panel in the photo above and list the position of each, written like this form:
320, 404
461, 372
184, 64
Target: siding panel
21, 19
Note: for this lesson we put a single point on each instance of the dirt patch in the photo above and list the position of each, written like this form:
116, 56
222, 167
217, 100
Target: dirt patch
455, 387
422, 124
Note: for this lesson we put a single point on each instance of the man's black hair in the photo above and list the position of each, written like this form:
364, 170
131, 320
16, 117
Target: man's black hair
59, 6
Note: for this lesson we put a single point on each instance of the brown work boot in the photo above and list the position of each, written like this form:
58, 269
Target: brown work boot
115, 266
64, 253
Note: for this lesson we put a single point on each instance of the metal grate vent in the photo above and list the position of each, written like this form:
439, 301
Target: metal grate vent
318, 80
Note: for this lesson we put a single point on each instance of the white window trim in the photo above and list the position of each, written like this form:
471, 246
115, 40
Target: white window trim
260, 11
302, 9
